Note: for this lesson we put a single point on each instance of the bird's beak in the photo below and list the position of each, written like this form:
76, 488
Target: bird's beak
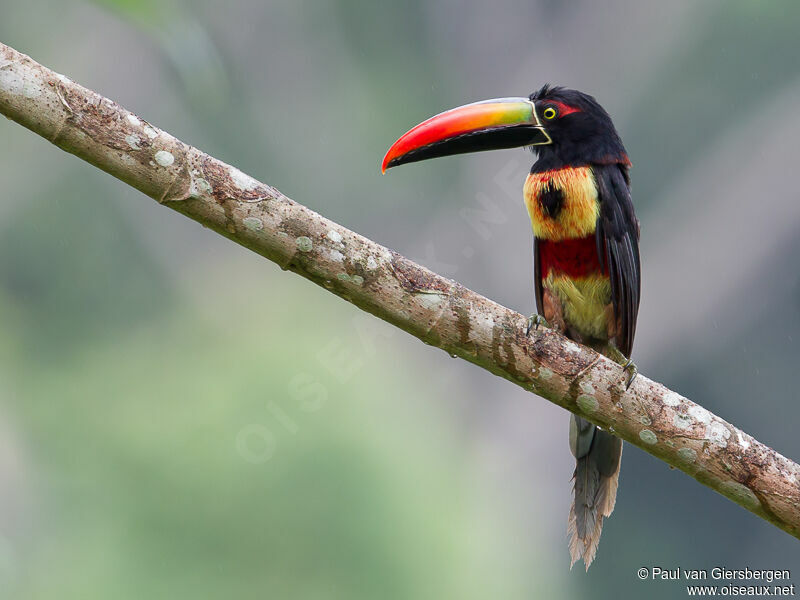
487, 125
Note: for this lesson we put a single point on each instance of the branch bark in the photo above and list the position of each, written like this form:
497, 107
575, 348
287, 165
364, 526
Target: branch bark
437, 310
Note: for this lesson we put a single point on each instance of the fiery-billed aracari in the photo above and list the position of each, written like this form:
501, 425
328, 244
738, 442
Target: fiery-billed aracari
586, 248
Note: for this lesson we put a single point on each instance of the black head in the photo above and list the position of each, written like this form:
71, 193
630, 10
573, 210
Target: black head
581, 130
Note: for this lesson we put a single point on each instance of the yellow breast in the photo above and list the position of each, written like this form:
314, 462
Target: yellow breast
584, 301
579, 211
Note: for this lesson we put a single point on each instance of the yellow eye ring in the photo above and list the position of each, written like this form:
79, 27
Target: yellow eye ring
549, 113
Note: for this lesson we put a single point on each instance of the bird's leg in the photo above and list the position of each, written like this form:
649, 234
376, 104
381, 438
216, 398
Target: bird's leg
553, 316
533, 323
632, 370
626, 363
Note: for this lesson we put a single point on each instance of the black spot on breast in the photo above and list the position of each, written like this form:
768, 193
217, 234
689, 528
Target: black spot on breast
552, 200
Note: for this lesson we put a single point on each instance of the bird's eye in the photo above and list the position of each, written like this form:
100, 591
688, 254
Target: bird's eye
550, 113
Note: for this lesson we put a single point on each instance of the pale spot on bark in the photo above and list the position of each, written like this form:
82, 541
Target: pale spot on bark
253, 223
647, 436
700, 414
164, 158
304, 244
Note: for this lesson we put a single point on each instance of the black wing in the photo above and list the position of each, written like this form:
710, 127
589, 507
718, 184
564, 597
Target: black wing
537, 277
617, 238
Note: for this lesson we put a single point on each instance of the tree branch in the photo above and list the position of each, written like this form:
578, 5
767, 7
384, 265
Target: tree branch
437, 310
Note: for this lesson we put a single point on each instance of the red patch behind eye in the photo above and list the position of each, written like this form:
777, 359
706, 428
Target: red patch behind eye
564, 109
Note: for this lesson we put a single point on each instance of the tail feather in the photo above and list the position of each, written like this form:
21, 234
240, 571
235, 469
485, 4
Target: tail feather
607, 496
585, 484
595, 482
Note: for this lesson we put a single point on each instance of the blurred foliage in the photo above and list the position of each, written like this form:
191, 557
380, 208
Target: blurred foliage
718, 80
149, 493
146, 13
65, 291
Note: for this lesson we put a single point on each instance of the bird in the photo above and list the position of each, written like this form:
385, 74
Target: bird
586, 262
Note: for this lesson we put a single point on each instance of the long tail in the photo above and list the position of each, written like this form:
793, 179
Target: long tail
598, 455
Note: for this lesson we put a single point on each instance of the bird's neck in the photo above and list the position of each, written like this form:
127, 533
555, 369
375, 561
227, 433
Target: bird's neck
551, 158
552, 161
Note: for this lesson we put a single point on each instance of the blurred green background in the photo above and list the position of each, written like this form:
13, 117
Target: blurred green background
180, 419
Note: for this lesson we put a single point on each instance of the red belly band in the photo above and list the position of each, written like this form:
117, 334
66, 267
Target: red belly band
575, 257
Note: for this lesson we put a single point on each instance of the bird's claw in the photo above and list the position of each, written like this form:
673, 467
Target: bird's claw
630, 368
533, 323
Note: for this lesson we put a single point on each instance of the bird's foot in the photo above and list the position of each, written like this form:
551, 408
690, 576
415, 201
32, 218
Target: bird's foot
630, 368
533, 323
626, 363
